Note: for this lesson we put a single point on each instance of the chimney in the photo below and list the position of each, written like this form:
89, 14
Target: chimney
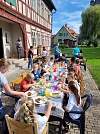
65, 25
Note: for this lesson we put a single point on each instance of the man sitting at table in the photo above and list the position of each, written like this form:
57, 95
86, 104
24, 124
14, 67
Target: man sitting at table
63, 58
27, 82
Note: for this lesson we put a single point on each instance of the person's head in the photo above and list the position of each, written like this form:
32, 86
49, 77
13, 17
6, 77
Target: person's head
71, 69
19, 38
4, 65
35, 67
30, 77
63, 56
52, 59
31, 47
44, 48
26, 110
44, 62
73, 59
70, 76
57, 44
77, 62
73, 89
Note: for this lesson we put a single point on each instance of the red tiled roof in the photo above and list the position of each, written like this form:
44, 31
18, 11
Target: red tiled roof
52, 36
72, 32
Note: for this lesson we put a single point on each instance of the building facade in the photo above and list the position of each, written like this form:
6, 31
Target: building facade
29, 19
65, 36
94, 2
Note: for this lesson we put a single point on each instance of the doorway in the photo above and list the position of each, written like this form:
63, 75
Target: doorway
1, 45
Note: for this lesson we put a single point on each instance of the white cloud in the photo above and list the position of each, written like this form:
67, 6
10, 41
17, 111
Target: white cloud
59, 2
73, 2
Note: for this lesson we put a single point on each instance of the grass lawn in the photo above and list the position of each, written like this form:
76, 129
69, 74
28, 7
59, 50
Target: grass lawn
93, 60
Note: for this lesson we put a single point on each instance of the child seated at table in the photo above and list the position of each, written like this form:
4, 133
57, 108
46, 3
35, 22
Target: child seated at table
27, 82
26, 113
74, 103
77, 67
39, 61
51, 62
44, 67
36, 72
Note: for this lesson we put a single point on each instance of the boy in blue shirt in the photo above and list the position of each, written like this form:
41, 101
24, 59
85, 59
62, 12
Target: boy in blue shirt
35, 72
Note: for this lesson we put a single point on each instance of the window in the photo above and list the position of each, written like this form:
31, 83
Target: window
33, 4
60, 34
42, 10
38, 6
12, 2
42, 36
65, 34
34, 38
48, 16
39, 39
60, 40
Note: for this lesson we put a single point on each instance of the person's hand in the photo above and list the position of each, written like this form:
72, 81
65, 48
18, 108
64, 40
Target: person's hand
23, 95
49, 104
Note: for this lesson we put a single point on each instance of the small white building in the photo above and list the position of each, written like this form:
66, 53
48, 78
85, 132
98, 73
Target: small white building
29, 19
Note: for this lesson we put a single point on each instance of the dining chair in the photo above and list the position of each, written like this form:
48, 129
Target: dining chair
23, 75
81, 121
16, 83
16, 127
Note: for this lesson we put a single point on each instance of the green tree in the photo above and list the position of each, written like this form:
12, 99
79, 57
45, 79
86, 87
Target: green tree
90, 28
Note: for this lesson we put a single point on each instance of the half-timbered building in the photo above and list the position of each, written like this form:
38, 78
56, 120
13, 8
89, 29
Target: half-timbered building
29, 19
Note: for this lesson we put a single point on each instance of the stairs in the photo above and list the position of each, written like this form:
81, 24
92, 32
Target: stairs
16, 65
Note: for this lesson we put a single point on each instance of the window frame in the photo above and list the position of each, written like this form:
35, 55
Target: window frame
34, 37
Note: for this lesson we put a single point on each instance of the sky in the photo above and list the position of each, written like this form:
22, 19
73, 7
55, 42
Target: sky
68, 12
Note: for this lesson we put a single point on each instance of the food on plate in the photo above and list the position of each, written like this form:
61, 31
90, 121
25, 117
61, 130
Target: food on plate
29, 94
37, 86
43, 98
40, 99
37, 100
56, 94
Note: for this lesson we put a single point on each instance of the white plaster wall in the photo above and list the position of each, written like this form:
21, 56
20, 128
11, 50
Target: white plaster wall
16, 32
7, 47
20, 7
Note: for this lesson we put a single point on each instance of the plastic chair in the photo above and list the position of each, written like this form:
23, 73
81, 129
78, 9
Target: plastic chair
81, 121
16, 127
16, 83
23, 75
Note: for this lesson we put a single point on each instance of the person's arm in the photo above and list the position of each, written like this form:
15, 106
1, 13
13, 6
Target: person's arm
29, 85
8, 89
47, 114
66, 109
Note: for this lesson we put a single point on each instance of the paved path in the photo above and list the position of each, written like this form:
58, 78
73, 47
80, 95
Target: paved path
92, 115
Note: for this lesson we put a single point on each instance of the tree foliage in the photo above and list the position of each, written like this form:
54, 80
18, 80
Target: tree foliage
90, 28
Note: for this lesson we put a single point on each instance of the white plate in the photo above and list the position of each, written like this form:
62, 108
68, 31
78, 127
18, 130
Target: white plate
37, 86
43, 99
32, 94
55, 94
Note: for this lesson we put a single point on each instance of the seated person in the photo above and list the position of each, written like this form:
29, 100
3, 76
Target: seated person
63, 58
39, 61
27, 82
71, 62
44, 67
26, 113
74, 103
35, 72
77, 67
44, 52
51, 62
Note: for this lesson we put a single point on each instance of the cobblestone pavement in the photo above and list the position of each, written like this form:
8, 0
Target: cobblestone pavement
92, 115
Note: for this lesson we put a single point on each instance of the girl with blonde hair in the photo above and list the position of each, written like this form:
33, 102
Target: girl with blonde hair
27, 114
4, 67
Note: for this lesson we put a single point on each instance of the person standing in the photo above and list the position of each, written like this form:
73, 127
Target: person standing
76, 51
19, 47
30, 57
57, 51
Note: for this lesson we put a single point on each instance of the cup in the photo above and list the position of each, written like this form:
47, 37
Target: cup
44, 89
55, 87
55, 77
54, 70
48, 94
42, 93
40, 82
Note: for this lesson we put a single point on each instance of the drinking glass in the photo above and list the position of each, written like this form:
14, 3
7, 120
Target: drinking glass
48, 94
